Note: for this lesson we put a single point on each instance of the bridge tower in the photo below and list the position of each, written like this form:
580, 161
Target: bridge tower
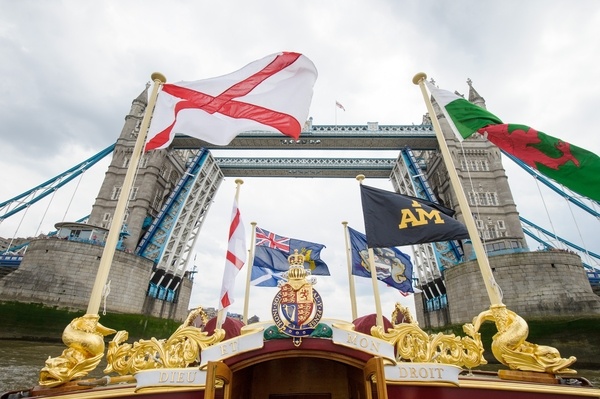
484, 180
157, 176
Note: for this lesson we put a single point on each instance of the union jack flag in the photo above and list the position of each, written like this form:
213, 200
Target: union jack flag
267, 239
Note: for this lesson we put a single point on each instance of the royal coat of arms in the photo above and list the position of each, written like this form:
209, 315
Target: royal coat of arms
297, 308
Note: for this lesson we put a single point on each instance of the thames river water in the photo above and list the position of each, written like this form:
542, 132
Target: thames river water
22, 361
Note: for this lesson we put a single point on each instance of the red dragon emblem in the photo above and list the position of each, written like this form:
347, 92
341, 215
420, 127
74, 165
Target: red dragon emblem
520, 143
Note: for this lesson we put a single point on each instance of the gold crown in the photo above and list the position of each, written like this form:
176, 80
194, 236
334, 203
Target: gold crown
296, 271
296, 259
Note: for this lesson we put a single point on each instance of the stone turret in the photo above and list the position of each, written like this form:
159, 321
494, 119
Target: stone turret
485, 183
158, 172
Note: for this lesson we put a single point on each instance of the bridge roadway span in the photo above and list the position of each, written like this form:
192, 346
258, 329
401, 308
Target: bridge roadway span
371, 137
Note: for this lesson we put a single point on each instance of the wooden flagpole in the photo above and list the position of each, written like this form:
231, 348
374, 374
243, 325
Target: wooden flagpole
351, 280
482, 259
117, 220
249, 271
373, 271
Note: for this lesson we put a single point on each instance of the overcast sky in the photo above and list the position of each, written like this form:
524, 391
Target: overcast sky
70, 70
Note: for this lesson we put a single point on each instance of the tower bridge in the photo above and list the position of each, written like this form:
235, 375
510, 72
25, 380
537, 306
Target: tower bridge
174, 190
328, 137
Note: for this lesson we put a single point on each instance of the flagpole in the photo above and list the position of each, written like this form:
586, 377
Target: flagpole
373, 272
117, 220
351, 280
249, 273
221, 311
335, 115
482, 259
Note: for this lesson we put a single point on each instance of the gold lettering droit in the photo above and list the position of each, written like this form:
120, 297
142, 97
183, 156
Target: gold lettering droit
429, 373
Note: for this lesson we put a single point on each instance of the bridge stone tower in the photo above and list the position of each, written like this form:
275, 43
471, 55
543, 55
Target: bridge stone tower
484, 180
529, 279
158, 173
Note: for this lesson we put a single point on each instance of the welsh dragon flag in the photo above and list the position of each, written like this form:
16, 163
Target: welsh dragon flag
574, 167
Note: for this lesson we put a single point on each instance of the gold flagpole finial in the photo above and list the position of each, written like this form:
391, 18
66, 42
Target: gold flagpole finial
419, 77
158, 76
360, 178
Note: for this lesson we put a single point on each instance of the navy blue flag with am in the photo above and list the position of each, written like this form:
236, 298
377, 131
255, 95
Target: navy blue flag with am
393, 220
392, 265
271, 256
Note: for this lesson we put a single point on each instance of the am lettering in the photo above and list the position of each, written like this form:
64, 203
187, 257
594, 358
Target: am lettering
419, 216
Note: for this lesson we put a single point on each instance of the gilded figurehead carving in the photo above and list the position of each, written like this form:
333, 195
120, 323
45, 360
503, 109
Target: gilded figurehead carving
84, 337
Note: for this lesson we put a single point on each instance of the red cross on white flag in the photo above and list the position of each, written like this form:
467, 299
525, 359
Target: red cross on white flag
271, 94
236, 255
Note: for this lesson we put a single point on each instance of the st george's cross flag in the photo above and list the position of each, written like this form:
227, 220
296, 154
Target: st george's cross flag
236, 255
271, 94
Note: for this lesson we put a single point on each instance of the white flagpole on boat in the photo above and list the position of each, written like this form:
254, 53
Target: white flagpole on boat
117, 220
350, 279
482, 259
249, 271
373, 271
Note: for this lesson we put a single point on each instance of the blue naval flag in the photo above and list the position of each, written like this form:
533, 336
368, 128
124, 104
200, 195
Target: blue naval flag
392, 265
271, 257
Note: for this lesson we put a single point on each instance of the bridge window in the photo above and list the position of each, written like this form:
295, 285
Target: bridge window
157, 201
491, 198
115, 193
173, 178
490, 233
474, 165
483, 199
162, 293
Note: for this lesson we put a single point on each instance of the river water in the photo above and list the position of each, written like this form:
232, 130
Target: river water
22, 361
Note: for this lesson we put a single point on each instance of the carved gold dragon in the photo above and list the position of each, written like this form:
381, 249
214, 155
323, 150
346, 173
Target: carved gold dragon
510, 347
84, 337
